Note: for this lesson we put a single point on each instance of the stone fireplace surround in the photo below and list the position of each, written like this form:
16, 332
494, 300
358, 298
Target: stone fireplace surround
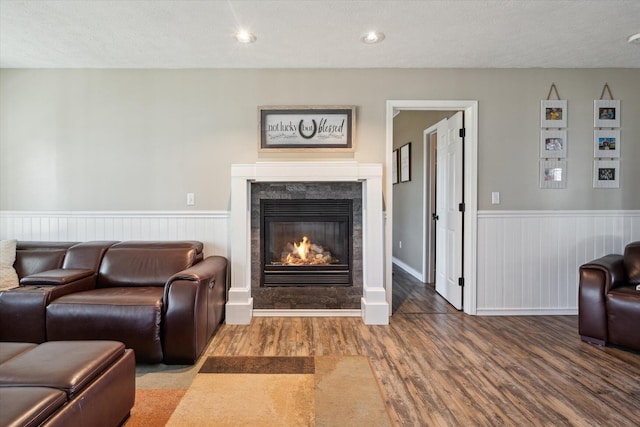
374, 307
306, 296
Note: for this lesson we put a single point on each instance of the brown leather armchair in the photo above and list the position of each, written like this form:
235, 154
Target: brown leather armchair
608, 301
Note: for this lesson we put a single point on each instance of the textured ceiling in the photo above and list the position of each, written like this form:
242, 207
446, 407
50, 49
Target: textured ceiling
319, 34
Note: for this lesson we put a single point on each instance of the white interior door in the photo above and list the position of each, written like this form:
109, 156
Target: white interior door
449, 198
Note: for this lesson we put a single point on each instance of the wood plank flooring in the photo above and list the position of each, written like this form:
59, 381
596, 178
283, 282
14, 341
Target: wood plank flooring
440, 367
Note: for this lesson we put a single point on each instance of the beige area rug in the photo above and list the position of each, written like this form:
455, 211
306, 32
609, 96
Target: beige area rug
283, 391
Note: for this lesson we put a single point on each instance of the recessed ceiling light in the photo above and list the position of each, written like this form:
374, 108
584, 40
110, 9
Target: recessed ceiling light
245, 37
372, 37
634, 38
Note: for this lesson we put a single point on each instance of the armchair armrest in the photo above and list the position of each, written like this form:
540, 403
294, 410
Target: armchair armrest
193, 305
597, 278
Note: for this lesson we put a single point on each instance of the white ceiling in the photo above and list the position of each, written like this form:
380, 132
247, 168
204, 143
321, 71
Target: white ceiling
319, 34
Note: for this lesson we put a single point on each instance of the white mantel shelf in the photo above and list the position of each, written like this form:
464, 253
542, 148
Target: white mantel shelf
374, 308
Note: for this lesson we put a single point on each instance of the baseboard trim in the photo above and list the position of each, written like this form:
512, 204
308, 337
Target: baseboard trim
408, 269
527, 311
306, 313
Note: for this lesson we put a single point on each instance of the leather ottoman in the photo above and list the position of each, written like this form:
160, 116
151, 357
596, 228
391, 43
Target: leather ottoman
62, 383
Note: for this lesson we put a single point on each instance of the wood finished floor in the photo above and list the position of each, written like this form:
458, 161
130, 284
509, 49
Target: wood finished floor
439, 367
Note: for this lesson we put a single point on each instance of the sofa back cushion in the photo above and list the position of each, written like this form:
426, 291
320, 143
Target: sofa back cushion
86, 255
141, 264
35, 257
632, 262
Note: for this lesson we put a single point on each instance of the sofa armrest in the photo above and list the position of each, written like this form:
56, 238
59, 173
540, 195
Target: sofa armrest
597, 278
193, 300
55, 277
61, 281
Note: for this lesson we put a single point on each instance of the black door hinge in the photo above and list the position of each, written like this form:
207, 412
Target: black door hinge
462, 132
461, 281
461, 207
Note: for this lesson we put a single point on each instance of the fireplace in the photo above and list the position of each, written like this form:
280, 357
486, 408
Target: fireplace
329, 215
328, 180
306, 242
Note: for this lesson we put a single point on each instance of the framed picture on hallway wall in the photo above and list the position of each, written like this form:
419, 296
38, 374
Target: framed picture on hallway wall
405, 162
394, 166
306, 128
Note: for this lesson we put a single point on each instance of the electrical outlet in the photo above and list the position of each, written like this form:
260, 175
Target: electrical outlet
495, 197
400, 244
191, 199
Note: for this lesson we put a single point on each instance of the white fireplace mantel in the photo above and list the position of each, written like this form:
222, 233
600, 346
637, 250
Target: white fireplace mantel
374, 308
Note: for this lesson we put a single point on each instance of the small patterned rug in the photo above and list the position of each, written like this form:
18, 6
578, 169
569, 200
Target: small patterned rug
282, 391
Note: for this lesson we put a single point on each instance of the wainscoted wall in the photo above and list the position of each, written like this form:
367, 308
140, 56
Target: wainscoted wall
209, 227
528, 260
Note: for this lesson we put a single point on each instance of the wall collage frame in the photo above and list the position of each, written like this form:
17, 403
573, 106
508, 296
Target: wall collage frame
554, 142
606, 141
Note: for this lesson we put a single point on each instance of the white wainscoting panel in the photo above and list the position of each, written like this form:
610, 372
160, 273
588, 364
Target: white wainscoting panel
209, 227
528, 260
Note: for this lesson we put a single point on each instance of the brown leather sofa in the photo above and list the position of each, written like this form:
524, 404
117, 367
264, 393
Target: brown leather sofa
608, 302
78, 383
164, 300
47, 270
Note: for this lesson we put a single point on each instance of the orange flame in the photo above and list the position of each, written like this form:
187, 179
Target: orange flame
303, 248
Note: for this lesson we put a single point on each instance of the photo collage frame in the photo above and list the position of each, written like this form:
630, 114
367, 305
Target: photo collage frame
606, 141
553, 141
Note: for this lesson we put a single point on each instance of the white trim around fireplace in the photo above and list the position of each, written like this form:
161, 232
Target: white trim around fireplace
374, 307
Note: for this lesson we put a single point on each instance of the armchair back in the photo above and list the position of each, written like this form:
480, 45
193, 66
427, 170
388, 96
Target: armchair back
632, 262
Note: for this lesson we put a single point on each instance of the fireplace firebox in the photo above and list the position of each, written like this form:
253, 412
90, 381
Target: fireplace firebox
306, 242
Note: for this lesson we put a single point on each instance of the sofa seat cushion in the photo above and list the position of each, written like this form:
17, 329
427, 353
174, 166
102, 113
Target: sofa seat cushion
67, 366
9, 350
623, 311
29, 406
129, 315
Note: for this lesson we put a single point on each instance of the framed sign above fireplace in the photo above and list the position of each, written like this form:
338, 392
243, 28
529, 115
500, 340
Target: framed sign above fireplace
306, 128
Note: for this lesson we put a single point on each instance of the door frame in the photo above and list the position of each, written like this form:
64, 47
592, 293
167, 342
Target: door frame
469, 246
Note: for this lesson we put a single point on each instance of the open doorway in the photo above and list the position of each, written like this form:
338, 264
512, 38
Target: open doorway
469, 204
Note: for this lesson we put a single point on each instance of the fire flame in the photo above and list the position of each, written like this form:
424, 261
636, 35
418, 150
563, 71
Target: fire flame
306, 253
302, 248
